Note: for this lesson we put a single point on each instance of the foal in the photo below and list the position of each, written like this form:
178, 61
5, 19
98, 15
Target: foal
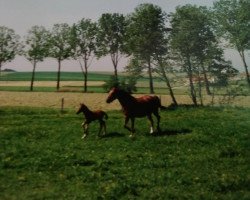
92, 116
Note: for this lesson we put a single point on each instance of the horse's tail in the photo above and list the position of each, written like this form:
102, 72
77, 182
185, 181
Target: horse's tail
159, 104
105, 115
163, 108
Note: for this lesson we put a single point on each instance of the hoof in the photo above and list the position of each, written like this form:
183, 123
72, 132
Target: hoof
151, 130
132, 136
84, 136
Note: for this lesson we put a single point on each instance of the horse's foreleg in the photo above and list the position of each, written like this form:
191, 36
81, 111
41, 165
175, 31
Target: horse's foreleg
126, 124
131, 129
151, 124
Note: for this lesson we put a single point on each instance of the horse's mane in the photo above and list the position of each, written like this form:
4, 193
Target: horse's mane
123, 93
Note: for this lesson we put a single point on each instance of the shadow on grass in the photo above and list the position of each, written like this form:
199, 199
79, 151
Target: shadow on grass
84, 163
171, 132
113, 134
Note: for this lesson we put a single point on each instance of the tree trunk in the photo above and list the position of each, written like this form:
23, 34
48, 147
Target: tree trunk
115, 72
58, 74
206, 80
0, 69
85, 74
242, 55
200, 90
114, 58
168, 85
191, 84
33, 76
151, 86
171, 91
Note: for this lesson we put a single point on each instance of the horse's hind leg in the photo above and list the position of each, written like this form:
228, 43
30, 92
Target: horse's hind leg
151, 124
158, 120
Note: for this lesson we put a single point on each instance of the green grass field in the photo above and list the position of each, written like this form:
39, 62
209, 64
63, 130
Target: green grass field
202, 153
52, 76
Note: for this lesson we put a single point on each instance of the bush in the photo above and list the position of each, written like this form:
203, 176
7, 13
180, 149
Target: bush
128, 84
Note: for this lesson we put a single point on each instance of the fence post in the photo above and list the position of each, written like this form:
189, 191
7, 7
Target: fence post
62, 105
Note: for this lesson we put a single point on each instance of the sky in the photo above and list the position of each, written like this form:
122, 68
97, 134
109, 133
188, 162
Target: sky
21, 15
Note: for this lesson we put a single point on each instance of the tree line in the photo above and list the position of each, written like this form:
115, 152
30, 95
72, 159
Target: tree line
190, 40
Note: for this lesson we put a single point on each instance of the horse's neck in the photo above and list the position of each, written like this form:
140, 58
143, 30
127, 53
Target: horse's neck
126, 100
86, 112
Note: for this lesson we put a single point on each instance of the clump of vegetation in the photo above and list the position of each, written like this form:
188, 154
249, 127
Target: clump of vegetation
127, 84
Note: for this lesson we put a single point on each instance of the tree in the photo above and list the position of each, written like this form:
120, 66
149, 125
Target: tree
233, 24
205, 43
36, 48
192, 38
145, 35
110, 37
84, 37
60, 42
9, 45
164, 67
183, 42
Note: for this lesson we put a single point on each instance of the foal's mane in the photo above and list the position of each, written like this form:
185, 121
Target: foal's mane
85, 109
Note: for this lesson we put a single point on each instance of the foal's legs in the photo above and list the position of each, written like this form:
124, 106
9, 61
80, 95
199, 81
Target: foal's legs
85, 126
105, 128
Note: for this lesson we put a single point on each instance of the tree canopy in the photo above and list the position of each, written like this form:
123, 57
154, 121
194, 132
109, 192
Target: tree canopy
233, 24
9, 45
110, 37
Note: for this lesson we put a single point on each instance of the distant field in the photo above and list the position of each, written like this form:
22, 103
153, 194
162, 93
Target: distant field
52, 76
72, 82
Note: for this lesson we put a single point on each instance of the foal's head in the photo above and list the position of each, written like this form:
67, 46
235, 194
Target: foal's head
113, 94
82, 108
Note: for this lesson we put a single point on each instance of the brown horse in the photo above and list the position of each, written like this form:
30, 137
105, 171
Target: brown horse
92, 116
136, 107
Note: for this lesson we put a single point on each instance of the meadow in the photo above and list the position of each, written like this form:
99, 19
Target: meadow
202, 153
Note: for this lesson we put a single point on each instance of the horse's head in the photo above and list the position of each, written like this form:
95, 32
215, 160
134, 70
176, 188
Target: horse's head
81, 108
112, 95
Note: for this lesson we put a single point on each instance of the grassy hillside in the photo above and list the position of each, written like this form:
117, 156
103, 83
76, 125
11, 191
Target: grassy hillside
201, 154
